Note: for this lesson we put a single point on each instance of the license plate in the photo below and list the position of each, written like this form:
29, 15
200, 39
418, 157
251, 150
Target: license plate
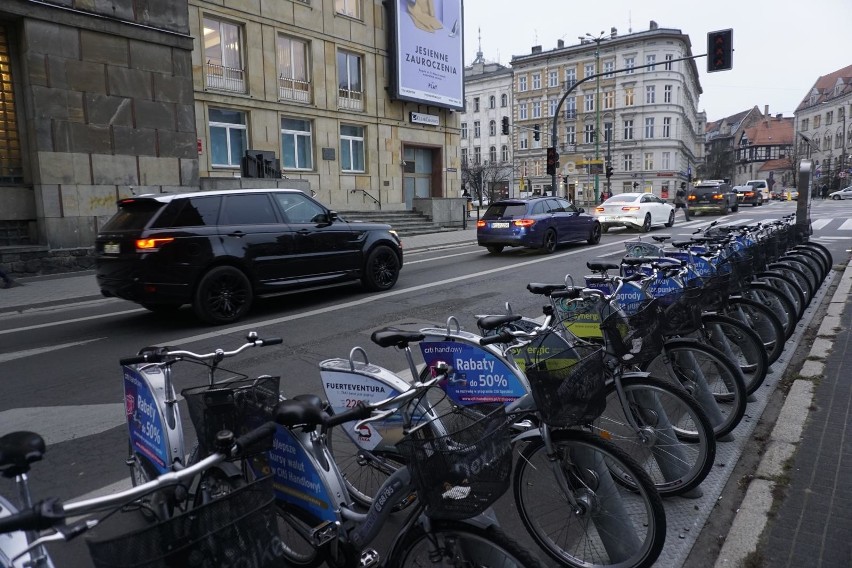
112, 248
500, 225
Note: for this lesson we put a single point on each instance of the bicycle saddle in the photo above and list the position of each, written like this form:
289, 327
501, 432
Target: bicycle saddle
493, 322
661, 238
294, 412
601, 265
18, 450
544, 289
397, 337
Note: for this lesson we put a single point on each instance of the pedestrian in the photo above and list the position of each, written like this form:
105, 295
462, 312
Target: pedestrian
7, 280
825, 191
681, 200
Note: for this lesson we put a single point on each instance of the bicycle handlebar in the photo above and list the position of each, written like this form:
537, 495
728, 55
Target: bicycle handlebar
163, 354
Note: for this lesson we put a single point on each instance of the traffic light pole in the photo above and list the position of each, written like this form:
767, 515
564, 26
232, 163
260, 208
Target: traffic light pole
554, 127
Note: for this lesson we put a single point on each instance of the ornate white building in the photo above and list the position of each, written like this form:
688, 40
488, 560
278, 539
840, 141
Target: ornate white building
644, 118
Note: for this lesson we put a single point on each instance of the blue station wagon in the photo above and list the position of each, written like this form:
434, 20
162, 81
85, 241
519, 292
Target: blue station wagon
538, 222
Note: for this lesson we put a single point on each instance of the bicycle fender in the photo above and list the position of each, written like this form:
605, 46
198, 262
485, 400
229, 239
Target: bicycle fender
526, 435
636, 375
483, 520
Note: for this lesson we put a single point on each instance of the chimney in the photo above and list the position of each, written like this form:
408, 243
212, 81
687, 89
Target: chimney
766, 111
654, 25
779, 115
536, 49
613, 32
560, 43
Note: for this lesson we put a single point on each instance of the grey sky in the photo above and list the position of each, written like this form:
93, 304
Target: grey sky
780, 48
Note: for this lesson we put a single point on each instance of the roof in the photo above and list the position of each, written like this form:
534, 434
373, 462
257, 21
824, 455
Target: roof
824, 87
773, 131
777, 164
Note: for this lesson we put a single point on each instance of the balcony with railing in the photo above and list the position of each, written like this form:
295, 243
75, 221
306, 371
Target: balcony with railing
225, 78
294, 89
350, 99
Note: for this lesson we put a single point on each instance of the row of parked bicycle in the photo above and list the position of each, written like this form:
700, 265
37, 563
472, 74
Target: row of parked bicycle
614, 399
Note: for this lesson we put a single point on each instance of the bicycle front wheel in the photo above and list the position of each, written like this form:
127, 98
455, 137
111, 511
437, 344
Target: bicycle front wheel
674, 442
460, 544
762, 321
736, 339
611, 514
708, 375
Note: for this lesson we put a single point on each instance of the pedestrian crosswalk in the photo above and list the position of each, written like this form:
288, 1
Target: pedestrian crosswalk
831, 224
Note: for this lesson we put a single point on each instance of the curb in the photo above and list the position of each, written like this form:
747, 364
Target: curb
753, 513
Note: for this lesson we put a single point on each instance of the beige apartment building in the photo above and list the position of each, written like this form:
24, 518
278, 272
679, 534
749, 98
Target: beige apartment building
352, 100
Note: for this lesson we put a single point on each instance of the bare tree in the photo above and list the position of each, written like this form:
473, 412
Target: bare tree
482, 180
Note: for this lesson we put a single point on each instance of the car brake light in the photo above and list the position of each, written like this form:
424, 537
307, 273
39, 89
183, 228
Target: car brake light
150, 245
749, 194
480, 223
718, 196
524, 222
600, 209
631, 208
691, 198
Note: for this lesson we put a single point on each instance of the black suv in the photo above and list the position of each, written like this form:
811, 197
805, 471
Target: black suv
217, 250
711, 195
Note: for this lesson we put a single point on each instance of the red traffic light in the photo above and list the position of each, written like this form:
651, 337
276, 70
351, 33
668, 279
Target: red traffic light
720, 50
552, 160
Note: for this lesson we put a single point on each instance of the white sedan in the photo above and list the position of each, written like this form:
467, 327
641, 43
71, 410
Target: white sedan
639, 211
845, 193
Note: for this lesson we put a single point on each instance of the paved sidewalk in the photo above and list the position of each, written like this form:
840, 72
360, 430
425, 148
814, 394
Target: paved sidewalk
58, 289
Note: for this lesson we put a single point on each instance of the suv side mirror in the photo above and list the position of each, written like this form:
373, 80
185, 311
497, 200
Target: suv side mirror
333, 216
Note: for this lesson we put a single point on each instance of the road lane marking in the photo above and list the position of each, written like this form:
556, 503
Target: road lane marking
75, 320
846, 226
58, 424
819, 224
38, 351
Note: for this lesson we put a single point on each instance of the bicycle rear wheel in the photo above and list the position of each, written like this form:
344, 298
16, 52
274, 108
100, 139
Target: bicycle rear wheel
675, 444
460, 544
763, 321
708, 375
776, 301
733, 337
613, 515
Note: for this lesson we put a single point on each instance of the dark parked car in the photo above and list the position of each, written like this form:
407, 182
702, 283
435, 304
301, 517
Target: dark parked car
748, 195
217, 250
714, 196
538, 222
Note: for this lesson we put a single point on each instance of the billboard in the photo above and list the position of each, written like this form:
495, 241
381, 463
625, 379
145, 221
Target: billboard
427, 52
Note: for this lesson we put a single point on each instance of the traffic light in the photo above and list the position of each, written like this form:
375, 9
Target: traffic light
720, 50
552, 161
505, 125
608, 172
537, 133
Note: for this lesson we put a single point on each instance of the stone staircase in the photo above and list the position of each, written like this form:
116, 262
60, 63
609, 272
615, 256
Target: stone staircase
405, 223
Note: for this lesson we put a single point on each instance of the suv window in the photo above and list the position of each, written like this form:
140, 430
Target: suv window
249, 209
298, 208
505, 211
193, 212
133, 215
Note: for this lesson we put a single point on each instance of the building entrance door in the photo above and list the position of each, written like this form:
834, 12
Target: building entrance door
417, 173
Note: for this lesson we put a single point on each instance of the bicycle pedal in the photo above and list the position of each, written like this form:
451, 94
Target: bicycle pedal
323, 534
369, 558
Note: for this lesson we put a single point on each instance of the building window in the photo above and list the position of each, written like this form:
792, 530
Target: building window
464, 155
352, 148
476, 131
838, 142
296, 144
609, 100
588, 69
628, 96
464, 130
475, 104
536, 81
817, 121
523, 142
628, 162
492, 154
571, 107
629, 64
649, 127
522, 111
552, 106
667, 127
570, 77
223, 54
827, 142
607, 132
651, 60
536, 109
492, 128
571, 135
649, 161
650, 94
351, 8
504, 153
589, 134
293, 81
504, 100
350, 94
666, 160
477, 155
805, 122
492, 102
522, 83
668, 66
667, 94
608, 67
228, 137
628, 129
589, 103
553, 78
11, 158
829, 117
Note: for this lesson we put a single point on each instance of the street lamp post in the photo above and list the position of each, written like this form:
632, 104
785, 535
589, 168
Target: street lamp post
597, 41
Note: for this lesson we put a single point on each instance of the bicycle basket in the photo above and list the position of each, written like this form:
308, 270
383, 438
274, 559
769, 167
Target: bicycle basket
642, 248
235, 530
461, 462
239, 405
681, 310
635, 329
568, 387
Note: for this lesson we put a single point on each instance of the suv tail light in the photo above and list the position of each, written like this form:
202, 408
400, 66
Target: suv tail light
524, 222
151, 245
480, 223
630, 208
600, 209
